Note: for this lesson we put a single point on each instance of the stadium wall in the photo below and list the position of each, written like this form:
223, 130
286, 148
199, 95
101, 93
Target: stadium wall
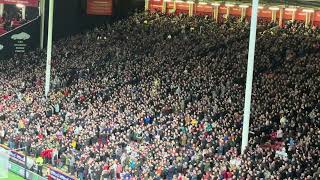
21, 39
70, 17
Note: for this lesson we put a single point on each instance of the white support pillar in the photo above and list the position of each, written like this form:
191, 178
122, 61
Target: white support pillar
228, 9
190, 8
1, 9
274, 13
293, 16
312, 19
23, 10
164, 7
281, 16
215, 11
243, 11
228, 12
49, 47
250, 66
42, 15
293, 12
308, 12
146, 5
307, 21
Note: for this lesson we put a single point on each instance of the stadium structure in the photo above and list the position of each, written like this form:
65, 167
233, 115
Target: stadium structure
159, 89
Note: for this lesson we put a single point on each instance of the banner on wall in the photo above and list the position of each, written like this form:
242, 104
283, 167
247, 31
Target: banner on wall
182, 7
59, 175
32, 3
202, 9
155, 5
265, 13
99, 7
236, 11
300, 15
287, 15
14, 155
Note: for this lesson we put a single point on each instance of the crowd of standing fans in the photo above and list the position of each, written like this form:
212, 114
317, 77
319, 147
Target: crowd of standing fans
161, 97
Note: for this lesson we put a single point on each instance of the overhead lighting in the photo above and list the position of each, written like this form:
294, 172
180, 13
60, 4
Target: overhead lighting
243, 6
274, 8
167, 0
178, 1
203, 3
229, 5
260, 7
308, 10
20, 5
291, 9
190, 2
215, 4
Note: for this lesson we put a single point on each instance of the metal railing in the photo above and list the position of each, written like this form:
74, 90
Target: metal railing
19, 170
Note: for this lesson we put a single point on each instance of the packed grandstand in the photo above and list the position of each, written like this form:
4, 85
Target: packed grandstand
161, 97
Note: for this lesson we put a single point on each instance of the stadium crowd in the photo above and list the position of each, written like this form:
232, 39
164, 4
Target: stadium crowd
161, 97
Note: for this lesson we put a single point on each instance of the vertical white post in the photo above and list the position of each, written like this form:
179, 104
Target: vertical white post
272, 16
293, 15
243, 12
307, 19
281, 16
250, 65
42, 15
228, 12
190, 8
1, 9
164, 6
23, 9
146, 5
216, 12
213, 13
49, 47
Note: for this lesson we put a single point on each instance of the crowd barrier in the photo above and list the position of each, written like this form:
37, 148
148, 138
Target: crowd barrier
53, 173
57, 174
19, 170
15, 156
